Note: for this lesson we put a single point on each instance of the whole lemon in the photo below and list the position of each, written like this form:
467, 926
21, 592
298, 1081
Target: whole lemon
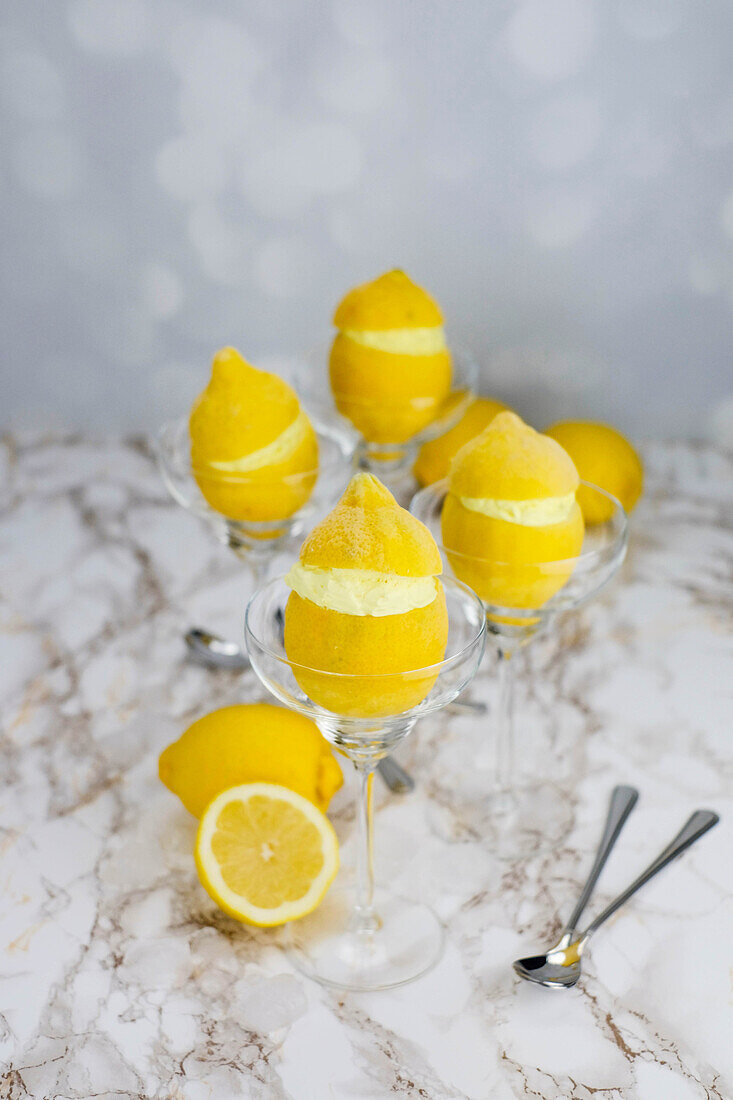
434, 457
249, 743
605, 458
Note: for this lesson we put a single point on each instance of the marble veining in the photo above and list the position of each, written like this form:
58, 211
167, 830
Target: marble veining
120, 978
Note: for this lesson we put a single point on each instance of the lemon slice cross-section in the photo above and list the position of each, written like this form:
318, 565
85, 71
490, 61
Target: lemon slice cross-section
265, 854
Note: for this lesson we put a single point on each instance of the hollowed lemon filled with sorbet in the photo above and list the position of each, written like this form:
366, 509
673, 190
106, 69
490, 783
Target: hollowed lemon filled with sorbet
254, 453
511, 513
367, 610
390, 368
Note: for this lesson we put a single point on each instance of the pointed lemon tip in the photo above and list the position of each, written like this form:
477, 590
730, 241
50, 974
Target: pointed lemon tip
229, 365
369, 530
367, 492
508, 421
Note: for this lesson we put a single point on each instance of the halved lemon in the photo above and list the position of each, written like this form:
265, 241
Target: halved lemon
265, 854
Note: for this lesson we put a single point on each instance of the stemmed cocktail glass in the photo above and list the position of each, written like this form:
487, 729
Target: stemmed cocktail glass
519, 817
392, 461
359, 939
257, 543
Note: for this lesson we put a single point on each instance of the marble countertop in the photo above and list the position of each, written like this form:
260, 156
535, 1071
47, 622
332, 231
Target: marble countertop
120, 978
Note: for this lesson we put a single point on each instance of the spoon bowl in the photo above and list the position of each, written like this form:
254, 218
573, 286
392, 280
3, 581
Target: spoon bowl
538, 968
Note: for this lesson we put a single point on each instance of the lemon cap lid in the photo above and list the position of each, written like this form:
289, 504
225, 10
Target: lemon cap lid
391, 301
369, 530
509, 461
242, 410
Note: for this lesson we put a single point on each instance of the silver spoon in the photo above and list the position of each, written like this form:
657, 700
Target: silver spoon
560, 968
623, 800
214, 652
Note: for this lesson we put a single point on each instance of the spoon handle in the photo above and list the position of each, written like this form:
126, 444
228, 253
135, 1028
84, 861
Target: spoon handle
692, 830
397, 779
467, 706
623, 800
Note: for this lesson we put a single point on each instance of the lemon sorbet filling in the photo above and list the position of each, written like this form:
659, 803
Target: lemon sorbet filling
254, 453
273, 453
361, 591
390, 367
366, 618
401, 341
526, 513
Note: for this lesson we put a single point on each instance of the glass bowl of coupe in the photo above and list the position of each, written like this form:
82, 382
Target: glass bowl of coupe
509, 525
374, 638
393, 375
252, 463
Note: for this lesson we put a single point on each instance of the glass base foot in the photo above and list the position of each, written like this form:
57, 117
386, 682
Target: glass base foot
513, 825
407, 943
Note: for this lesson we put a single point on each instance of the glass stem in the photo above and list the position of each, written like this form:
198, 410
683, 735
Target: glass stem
258, 569
364, 919
504, 765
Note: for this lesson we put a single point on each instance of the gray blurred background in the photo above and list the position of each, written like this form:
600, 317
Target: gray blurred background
181, 174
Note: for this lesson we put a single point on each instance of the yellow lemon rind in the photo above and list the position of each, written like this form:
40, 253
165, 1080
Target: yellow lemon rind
509, 460
391, 301
249, 743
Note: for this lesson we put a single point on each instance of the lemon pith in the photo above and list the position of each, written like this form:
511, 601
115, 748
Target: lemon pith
265, 854
254, 453
248, 743
604, 457
389, 368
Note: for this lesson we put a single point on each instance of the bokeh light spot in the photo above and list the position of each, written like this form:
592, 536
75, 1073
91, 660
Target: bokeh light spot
650, 19
551, 40
281, 177
285, 267
222, 245
357, 22
114, 27
328, 155
565, 132
191, 166
352, 81
162, 292
559, 219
